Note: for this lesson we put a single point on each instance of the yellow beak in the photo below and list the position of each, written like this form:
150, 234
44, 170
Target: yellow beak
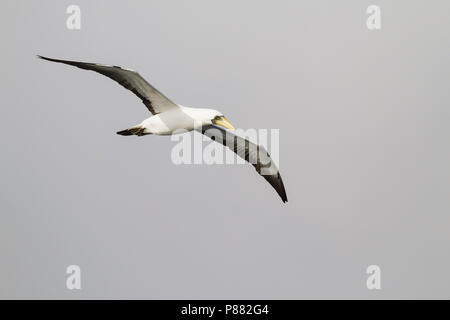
223, 122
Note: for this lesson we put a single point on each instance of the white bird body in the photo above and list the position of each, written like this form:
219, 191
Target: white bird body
178, 120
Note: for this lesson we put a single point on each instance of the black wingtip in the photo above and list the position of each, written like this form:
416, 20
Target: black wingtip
277, 183
280, 188
45, 58
284, 197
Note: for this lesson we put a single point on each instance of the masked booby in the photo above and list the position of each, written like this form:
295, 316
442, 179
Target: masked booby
169, 117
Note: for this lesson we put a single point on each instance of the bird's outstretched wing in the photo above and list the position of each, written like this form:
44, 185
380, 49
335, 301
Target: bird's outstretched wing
256, 155
154, 100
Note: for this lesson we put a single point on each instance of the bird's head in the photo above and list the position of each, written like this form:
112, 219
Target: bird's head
219, 119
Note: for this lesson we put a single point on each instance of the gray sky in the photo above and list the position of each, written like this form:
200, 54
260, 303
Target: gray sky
364, 135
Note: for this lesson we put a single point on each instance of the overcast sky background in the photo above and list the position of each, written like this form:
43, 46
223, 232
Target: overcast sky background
364, 151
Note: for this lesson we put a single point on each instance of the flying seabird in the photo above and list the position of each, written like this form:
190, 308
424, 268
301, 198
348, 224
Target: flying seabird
169, 117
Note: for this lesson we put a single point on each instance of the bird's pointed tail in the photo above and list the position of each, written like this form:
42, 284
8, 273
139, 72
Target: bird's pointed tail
137, 130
